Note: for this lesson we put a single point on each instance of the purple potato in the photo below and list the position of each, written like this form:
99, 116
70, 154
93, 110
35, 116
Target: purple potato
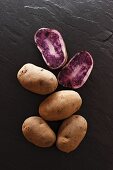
52, 47
76, 71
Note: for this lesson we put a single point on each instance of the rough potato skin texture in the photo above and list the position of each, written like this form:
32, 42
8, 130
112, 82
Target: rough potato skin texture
60, 105
37, 79
37, 131
71, 133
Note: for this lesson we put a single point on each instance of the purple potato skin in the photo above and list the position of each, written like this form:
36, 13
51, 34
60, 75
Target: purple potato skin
76, 71
52, 47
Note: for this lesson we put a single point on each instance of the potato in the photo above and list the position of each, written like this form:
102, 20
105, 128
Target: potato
60, 105
37, 131
52, 47
71, 133
37, 79
76, 72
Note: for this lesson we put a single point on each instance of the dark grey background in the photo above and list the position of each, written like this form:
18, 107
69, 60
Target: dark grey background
84, 25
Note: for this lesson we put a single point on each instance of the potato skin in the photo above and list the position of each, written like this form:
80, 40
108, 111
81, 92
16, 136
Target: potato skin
71, 133
60, 105
37, 131
37, 79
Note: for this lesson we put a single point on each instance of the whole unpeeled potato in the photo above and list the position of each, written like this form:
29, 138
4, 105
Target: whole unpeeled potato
60, 105
71, 133
37, 131
37, 79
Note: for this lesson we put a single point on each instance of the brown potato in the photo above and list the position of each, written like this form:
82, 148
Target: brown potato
37, 79
37, 131
60, 105
71, 133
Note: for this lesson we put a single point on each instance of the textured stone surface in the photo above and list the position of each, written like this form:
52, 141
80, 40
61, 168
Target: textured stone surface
84, 25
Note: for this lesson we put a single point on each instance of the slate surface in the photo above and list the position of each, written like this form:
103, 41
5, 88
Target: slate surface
84, 24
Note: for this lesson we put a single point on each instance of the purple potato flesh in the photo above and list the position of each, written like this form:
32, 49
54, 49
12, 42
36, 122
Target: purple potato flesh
52, 47
77, 71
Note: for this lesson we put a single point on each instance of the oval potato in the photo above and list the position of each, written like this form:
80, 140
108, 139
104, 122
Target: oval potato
37, 79
37, 131
60, 105
71, 133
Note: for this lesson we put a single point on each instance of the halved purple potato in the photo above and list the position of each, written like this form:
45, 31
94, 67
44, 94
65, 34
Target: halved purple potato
77, 71
52, 47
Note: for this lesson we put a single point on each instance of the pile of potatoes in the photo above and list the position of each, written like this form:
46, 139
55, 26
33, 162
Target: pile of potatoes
58, 106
